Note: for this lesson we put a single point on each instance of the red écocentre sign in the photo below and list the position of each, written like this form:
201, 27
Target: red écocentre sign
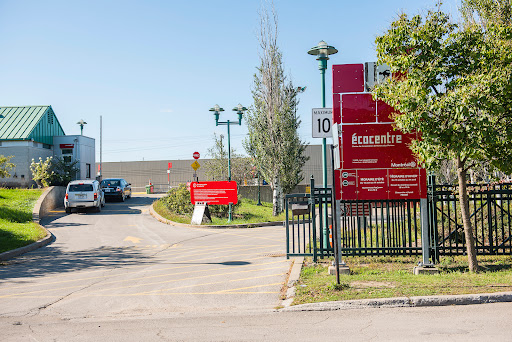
376, 161
214, 193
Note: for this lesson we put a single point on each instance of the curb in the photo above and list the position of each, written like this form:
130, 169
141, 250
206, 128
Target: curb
246, 225
292, 280
418, 301
35, 245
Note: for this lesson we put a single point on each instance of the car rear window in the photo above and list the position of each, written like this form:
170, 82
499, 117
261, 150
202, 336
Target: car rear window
80, 187
110, 183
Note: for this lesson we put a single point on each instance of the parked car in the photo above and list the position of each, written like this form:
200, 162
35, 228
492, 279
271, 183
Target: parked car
116, 188
84, 194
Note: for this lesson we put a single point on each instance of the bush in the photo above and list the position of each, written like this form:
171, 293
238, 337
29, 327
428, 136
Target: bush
178, 200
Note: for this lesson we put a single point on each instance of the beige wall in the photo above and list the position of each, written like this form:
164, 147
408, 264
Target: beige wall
138, 173
23, 155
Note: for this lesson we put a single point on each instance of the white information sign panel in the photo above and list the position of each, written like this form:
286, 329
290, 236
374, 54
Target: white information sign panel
322, 118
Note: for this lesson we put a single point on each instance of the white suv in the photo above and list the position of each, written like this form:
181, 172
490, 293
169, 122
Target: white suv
84, 194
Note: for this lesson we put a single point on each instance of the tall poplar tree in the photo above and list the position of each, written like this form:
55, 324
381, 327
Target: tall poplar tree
273, 141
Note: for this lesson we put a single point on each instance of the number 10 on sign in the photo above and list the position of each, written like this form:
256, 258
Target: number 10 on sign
322, 118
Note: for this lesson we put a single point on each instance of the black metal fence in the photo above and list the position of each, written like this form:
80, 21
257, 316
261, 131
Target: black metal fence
490, 215
385, 227
382, 227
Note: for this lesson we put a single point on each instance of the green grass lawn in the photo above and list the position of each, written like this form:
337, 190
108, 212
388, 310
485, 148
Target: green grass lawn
247, 212
16, 226
392, 277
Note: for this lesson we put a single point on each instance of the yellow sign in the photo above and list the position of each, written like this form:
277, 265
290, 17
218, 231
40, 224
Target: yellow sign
195, 165
308, 189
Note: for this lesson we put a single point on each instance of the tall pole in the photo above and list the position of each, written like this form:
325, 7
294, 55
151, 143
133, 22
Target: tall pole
322, 51
322, 65
230, 216
216, 111
101, 147
229, 154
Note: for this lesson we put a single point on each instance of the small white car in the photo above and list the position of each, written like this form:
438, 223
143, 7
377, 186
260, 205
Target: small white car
84, 194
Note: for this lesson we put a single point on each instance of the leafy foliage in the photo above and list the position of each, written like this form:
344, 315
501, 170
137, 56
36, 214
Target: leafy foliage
453, 83
42, 172
216, 168
178, 200
5, 166
63, 172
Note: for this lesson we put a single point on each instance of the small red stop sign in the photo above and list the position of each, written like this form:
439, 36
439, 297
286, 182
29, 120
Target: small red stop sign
196, 155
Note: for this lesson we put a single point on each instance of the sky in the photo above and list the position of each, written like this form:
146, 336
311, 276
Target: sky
153, 69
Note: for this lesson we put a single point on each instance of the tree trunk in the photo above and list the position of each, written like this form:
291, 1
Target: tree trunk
464, 205
276, 198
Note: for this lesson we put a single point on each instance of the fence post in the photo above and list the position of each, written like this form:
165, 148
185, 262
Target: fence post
313, 215
287, 231
432, 212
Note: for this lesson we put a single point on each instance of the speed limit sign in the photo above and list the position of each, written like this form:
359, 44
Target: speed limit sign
322, 118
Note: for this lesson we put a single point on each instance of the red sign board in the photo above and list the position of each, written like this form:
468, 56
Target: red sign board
169, 165
376, 146
214, 193
381, 184
67, 145
196, 155
347, 78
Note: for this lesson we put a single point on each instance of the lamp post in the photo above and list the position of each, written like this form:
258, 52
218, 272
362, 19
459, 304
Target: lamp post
216, 111
322, 51
81, 123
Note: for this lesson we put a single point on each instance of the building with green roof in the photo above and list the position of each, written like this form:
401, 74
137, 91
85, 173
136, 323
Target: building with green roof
29, 132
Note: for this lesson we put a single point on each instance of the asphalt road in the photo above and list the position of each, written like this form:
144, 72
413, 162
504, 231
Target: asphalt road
120, 275
124, 263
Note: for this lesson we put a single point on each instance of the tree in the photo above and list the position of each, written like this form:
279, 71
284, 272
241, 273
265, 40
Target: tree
5, 166
273, 141
453, 83
63, 172
42, 172
217, 167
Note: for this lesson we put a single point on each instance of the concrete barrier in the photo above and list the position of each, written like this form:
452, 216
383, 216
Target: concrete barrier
52, 197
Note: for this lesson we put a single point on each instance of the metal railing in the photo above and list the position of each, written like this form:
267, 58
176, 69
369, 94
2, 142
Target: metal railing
383, 227
490, 215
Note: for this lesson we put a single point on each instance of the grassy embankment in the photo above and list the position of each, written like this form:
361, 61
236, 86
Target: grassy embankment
382, 277
246, 212
16, 226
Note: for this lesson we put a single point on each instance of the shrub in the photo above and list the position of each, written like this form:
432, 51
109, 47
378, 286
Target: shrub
178, 200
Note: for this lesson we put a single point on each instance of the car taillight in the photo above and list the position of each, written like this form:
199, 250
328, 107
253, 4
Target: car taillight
118, 189
67, 196
95, 195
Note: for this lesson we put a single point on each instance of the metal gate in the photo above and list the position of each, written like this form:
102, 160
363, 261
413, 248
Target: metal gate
308, 226
381, 227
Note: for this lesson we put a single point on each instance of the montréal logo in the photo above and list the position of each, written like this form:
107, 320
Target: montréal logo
409, 164
383, 139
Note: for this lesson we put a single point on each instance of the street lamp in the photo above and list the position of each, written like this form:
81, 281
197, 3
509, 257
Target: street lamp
216, 111
322, 51
81, 123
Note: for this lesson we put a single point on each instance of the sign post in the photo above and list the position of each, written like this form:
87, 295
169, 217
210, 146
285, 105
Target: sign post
169, 166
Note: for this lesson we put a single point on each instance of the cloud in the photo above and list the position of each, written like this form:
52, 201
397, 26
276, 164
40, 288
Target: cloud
166, 110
